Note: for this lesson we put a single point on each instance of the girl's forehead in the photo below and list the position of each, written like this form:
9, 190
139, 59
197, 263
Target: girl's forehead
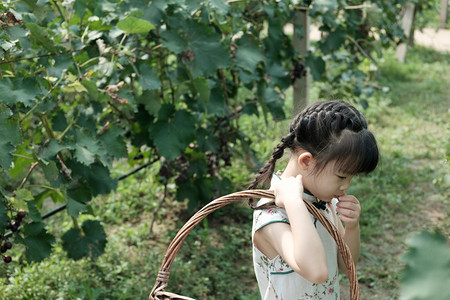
335, 167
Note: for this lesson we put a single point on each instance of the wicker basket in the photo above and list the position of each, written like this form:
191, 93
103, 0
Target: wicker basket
158, 292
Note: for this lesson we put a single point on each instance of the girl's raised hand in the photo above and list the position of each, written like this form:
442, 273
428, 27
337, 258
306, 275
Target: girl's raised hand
349, 209
288, 189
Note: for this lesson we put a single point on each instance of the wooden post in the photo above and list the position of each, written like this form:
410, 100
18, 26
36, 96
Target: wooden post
444, 14
301, 85
406, 24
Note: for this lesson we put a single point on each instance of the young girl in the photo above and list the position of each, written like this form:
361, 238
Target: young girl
294, 256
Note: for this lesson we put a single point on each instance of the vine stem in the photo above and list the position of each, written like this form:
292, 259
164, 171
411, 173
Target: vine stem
158, 208
22, 156
51, 134
38, 56
46, 187
75, 223
73, 122
358, 6
120, 112
363, 52
113, 56
25, 179
42, 99
161, 64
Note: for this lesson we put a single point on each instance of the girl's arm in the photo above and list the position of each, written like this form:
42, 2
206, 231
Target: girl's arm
299, 243
350, 210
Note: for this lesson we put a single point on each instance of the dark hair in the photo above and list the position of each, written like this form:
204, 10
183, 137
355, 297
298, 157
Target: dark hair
330, 131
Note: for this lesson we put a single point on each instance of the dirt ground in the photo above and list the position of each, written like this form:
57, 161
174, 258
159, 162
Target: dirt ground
436, 39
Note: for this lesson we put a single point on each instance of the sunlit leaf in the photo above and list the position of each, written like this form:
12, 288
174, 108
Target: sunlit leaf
134, 25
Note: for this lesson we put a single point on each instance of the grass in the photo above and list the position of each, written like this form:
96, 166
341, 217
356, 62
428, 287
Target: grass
408, 192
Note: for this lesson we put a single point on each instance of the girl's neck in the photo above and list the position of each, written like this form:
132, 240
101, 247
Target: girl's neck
292, 169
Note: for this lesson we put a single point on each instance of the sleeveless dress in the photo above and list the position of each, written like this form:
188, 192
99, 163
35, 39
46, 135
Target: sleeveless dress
276, 280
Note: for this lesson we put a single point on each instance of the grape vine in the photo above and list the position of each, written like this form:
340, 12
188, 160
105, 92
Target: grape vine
87, 83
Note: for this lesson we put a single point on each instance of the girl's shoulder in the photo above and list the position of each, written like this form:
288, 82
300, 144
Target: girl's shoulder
264, 217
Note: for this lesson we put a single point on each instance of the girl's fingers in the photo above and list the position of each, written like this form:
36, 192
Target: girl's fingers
348, 213
348, 198
348, 220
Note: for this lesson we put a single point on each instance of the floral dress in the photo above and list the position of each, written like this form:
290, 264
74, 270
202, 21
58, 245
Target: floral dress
276, 280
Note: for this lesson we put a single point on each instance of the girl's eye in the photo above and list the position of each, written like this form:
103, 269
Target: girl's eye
341, 177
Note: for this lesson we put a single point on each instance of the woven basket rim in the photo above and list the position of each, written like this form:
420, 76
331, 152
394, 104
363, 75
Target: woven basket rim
159, 293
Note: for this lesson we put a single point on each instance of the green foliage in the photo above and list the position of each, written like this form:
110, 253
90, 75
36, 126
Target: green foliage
427, 267
215, 260
88, 241
88, 83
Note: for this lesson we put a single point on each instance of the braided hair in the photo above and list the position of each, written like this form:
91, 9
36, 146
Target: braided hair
330, 131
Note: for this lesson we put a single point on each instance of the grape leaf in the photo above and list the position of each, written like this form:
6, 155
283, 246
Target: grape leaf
25, 93
149, 79
248, 54
20, 34
209, 52
38, 241
316, 65
207, 141
91, 88
172, 137
51, 172
21, 161
62, 63
112, 141
21, 199
10, 136
33, 211
173, 41
40, 36
134, 25
86, 148
74, 207
89, 241
221, 7
425, 275
333, 40
96, 176
3, 215
80, 193
217, 103
198, 190
202, 88
274, 102
150, 100
53, 148
99, 180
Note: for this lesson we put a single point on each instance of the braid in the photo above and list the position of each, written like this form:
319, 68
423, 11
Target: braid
265, 173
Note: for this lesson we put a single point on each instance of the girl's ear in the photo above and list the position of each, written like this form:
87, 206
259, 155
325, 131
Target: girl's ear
306, 161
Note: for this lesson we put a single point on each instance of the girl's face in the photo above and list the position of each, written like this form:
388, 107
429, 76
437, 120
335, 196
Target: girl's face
327, 184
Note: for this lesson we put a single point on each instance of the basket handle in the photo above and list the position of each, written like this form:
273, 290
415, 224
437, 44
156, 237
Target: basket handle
158, 292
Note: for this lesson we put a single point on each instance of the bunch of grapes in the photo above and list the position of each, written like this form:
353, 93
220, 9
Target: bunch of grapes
13, 226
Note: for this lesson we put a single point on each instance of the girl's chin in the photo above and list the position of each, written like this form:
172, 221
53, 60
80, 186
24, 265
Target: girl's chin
326, 199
